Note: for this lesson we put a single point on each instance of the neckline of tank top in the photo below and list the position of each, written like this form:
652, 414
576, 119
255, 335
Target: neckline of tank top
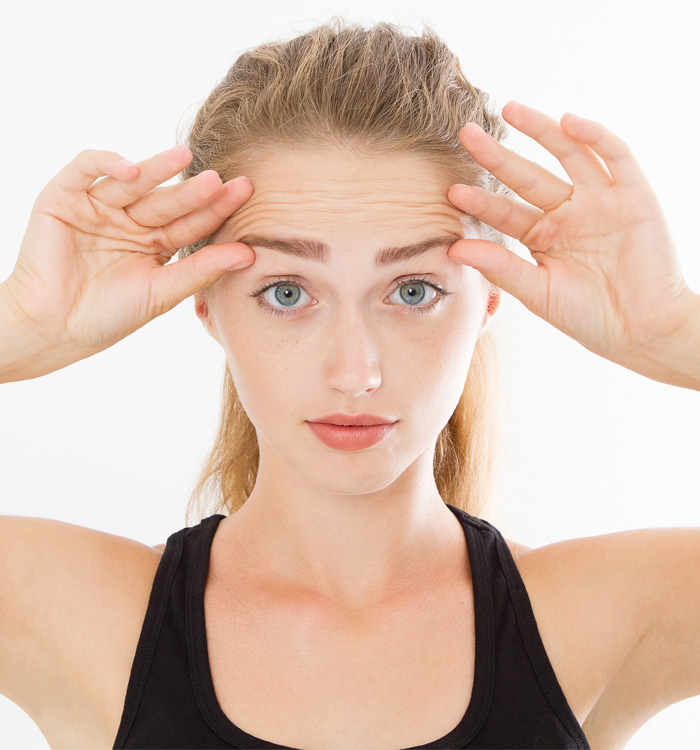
483, 681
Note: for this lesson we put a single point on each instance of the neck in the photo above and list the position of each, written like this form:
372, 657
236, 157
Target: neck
356, 551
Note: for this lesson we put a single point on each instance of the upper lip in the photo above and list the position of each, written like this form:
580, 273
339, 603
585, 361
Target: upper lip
353, 419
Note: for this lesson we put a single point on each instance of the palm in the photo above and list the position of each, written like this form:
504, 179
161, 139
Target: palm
90, 268
603, 271
607, 273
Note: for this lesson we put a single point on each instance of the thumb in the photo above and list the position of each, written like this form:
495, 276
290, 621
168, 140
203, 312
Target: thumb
501, 267
175, 282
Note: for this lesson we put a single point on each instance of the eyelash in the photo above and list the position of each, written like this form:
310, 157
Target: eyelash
442, 293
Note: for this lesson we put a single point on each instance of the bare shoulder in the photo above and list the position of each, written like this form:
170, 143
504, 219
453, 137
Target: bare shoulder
619, 616
72, 602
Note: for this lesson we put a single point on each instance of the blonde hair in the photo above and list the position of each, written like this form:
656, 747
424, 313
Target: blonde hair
374, 91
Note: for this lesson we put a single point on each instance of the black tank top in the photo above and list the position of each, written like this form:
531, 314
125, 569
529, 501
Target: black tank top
516, 701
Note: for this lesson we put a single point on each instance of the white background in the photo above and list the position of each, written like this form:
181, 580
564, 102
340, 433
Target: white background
115, 442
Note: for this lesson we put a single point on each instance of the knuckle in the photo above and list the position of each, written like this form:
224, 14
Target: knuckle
160, 216
161, 240
158, 212
527, 185
92, 155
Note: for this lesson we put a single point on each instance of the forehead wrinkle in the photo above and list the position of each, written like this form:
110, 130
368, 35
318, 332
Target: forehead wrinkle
345, 188
383, 200
316, 201
250, 218
276, 214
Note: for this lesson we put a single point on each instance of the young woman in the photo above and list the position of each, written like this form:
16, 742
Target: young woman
342, 223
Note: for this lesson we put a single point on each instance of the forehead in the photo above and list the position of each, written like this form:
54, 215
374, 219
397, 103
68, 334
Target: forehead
327, 193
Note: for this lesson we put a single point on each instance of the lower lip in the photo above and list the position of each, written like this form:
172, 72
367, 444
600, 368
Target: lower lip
350, 438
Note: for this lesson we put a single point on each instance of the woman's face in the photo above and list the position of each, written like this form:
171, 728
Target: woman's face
347, 334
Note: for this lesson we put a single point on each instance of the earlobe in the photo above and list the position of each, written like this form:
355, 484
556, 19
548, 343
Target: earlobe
494, 300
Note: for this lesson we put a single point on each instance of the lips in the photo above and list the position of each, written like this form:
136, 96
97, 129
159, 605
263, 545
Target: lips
350, 438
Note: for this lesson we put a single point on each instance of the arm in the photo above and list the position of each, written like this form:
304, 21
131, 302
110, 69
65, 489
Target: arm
93, 268
662, 567
641, 589
72, 602
606, 274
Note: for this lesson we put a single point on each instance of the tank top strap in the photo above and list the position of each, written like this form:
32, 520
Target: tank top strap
159, 705
150, 629
520, 654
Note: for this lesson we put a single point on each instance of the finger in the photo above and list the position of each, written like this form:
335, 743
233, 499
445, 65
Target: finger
513, 218
203, 222
524, 281
529, 180
616, 154
579, 161
90, 164
176, 281
162, 205
152, 172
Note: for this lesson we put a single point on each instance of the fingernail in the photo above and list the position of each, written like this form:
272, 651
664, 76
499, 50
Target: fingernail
460, 191
242, 179
126, 163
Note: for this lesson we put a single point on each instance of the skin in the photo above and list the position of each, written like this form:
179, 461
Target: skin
351, 528
93, 268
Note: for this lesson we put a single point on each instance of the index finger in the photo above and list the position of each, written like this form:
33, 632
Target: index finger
152, 172
88, 165
616, 154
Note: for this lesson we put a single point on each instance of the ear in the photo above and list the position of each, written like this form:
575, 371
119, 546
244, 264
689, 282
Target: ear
494, 300
201, 308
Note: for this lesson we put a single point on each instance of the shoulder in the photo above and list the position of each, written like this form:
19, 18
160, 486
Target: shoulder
72, 602
619, 615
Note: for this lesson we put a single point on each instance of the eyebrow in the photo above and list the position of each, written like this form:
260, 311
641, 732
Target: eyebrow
319, 252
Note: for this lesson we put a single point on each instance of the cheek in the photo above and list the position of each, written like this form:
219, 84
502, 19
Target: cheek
266, 368
438, 365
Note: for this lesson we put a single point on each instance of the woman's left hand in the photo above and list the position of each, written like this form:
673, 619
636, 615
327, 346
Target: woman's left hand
607, 272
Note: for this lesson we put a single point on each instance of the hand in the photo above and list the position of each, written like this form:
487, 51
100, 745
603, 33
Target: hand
606, 271
91, 268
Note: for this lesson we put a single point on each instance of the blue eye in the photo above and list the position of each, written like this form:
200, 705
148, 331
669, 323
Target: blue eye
411, 291
287, 294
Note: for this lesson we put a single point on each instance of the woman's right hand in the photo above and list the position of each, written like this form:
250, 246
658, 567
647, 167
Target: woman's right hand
92, 265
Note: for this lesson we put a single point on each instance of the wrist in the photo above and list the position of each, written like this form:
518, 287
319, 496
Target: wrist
24, 353
676, 359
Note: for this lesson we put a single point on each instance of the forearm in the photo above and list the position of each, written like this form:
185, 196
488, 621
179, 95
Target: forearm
24, 354
676, 361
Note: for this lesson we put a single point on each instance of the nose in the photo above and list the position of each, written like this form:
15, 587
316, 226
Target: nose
352, 365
